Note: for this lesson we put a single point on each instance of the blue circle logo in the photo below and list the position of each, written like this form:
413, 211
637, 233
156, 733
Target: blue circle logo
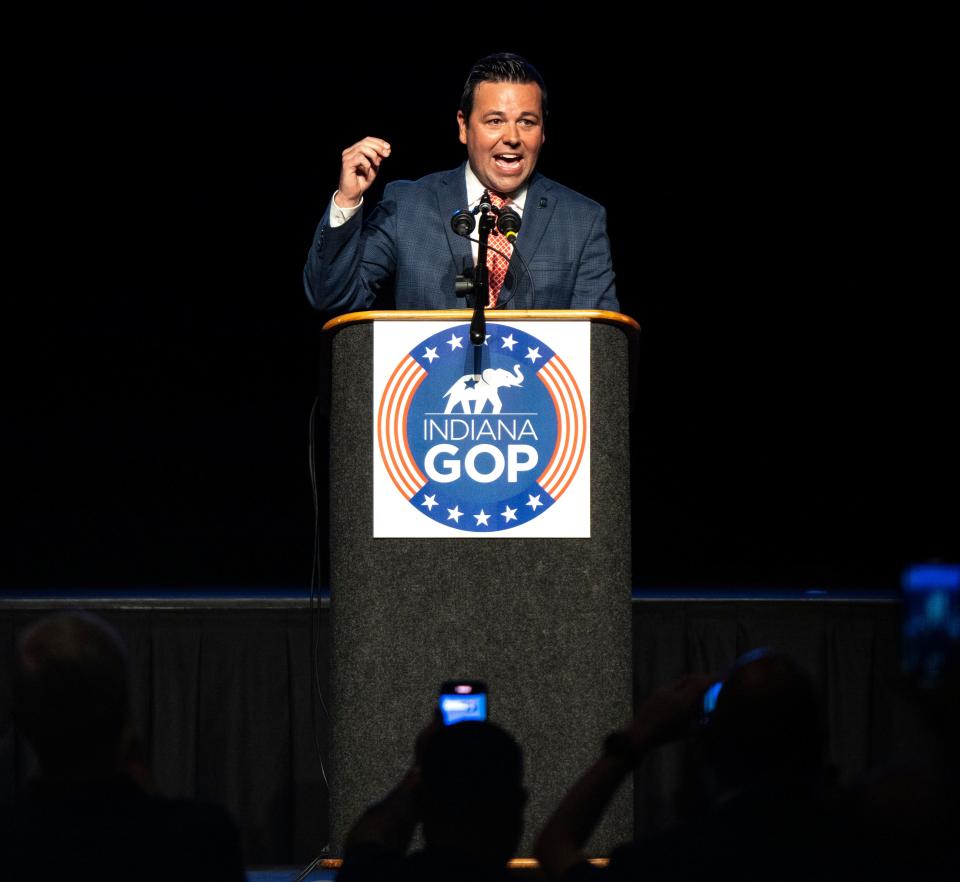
481, 439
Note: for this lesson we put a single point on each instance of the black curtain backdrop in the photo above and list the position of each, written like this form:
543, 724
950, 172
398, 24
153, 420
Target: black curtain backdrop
778, 207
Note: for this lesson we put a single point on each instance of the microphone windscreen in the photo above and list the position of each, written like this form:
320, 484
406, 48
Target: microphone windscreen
462, 222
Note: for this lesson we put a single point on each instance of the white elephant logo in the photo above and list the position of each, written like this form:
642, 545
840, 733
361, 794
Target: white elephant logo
481, 388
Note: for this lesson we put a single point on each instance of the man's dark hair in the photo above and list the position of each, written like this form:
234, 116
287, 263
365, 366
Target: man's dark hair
71, 694
472, 786
501, 67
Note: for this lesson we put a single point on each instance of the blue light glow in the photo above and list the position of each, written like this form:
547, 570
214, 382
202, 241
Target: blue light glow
710, 697
923, 577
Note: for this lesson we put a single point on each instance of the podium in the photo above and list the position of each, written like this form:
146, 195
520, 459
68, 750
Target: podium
544, 620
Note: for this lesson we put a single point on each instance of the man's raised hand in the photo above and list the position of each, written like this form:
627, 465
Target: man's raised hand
361, 163
667, 712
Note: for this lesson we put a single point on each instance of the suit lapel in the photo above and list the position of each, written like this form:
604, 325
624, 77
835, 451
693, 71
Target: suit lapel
451, 197
537, 211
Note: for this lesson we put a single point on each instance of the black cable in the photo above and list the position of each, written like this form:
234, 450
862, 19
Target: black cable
506, 257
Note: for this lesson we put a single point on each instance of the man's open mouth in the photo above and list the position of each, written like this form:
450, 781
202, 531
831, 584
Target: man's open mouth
508, 160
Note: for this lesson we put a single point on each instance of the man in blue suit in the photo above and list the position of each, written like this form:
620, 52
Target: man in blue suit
408, 238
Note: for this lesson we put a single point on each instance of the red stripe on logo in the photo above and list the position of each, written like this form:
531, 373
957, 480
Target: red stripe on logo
579, 411
395, 399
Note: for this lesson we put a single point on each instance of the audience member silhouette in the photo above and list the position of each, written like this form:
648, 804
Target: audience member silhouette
771, 811
905, 812
466, 787
89, 814
769, 808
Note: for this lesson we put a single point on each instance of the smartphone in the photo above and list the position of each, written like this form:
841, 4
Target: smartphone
930, 622
462, 700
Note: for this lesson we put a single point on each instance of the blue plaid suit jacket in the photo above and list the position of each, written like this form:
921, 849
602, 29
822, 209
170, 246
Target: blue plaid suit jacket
408, 238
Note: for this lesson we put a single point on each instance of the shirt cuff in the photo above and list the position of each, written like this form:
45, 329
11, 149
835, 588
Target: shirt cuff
339, 216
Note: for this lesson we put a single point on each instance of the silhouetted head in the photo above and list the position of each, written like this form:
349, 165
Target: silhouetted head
473, 795
767, 726
71, 695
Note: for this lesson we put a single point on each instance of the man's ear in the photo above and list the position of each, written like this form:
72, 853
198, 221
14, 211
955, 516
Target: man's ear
462, 122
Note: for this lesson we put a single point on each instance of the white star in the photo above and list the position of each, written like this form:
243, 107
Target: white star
429, 501
510, 514
454, 514
509, 342
486, 339
430, 354
534, 501
533, 354
454, 342
482, 518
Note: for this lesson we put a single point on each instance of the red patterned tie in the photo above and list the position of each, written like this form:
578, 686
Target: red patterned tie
497, 264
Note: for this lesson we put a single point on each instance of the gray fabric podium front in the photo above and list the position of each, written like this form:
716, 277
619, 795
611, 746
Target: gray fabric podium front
545, 622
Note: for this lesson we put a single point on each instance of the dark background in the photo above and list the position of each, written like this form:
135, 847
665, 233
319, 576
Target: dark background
778, 208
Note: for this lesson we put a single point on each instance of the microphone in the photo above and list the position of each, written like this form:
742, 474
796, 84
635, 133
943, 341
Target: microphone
463, 223
508, 223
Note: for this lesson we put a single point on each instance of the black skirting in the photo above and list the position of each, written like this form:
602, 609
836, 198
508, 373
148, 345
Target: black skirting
227, 694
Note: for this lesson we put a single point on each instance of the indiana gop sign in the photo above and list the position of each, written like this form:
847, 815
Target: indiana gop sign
480, 441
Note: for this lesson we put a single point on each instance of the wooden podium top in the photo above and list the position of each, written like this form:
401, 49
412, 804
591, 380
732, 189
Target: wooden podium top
504, 315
